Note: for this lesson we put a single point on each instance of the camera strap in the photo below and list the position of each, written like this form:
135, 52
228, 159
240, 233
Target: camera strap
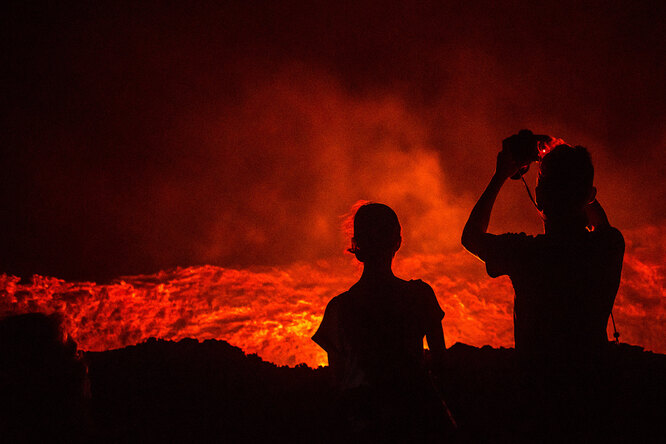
529, 193
616, 334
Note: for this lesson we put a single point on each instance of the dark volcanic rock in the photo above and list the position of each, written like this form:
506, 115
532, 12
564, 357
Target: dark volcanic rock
189, 391
213, 392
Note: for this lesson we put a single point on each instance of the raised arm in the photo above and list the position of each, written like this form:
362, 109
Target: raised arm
477, 223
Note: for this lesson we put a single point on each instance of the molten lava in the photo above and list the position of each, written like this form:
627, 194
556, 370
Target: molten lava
273, 312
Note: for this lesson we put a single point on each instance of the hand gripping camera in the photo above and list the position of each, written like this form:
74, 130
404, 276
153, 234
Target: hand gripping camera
526, 147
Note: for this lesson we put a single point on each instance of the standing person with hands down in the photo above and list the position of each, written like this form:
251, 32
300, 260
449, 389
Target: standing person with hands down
373, 334
565, 282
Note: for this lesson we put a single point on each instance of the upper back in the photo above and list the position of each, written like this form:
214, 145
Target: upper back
565, 288
382, 327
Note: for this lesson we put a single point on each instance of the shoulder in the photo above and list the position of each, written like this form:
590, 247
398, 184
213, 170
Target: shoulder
611, 236
427, 300
505, 253
334, 304
520, 237
499, 246
327, 333
420, 289
510, 240
614, 235
344, 299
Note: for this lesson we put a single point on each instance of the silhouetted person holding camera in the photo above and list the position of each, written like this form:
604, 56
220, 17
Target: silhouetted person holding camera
373, 334
565, 282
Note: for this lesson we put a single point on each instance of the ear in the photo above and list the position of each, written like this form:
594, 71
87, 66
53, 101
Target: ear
354, 247
591, 195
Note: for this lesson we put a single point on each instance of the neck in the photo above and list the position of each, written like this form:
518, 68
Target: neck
379, 270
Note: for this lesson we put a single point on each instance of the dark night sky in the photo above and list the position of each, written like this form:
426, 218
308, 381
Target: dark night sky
139, 136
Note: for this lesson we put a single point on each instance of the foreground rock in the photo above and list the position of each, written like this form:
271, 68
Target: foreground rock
189, 391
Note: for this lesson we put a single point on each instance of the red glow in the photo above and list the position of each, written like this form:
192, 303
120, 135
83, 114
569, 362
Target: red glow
273, 312
153, 137
546, 147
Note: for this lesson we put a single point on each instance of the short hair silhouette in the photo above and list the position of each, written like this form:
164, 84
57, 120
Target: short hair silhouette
565, 179
373, 335
565, 282
376, 232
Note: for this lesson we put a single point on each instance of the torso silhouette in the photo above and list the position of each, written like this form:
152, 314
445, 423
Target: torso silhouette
377, 332
565, 286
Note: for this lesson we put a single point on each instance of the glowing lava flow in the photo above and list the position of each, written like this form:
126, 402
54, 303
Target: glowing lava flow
273, 312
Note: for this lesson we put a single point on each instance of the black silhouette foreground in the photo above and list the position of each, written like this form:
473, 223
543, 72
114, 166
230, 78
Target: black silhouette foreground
565, 283
373, 334
44, 388
187, 391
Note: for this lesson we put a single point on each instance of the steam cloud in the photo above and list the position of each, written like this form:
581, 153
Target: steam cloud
216, 139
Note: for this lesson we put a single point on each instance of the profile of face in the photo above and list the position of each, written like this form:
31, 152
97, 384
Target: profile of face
376, 233
564, 185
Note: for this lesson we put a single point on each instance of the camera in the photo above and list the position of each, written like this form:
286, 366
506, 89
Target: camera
525, 148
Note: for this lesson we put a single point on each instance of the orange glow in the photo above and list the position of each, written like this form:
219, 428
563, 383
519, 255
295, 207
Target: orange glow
375, 147
546, 147
273, 312
242, 145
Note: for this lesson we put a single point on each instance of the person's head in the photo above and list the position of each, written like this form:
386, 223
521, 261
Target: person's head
376, 233
565, 181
